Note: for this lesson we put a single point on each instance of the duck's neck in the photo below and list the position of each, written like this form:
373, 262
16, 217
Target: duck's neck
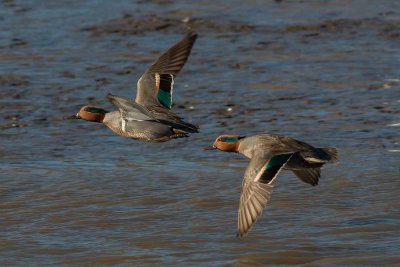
112, 119
246, 147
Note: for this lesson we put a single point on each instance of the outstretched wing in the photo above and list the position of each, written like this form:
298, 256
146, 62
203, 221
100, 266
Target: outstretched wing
155, 87
129, 109
257, 186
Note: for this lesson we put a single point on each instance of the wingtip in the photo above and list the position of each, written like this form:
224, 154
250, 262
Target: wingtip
110, 97
196, 129
191, 35
241, 234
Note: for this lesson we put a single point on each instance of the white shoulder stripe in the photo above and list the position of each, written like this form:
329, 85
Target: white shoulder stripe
261, 172
123, 122
172, 86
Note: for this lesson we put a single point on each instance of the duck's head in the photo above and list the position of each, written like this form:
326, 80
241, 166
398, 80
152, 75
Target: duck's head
89, 114
226, 142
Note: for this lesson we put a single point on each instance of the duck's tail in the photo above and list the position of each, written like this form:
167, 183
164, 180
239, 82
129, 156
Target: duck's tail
181, 126
330, 154
188, 127
179, 133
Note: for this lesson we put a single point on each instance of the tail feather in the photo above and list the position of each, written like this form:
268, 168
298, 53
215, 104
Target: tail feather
310, 176
178, 134
330, 154
307, 164
190, 128
182, 126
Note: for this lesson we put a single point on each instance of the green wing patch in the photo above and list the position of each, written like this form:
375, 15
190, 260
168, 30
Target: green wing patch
273, 167
165, 88
164, 98
277, 160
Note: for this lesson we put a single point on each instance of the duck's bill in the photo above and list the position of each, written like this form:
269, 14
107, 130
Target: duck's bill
209, 148
72, 117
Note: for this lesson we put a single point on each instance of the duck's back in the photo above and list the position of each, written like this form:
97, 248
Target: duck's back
271, 143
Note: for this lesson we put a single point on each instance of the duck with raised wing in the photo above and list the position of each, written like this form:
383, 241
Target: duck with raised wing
149, 116
269, 154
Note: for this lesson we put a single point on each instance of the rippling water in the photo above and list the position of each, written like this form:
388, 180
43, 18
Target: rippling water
74, 193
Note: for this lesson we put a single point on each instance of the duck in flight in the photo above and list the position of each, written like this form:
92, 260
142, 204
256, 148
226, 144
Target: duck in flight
149, 117
269, 154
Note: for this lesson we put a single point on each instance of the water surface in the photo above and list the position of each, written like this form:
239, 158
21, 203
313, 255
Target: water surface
74, 193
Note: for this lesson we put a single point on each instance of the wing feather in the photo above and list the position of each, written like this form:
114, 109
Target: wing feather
257, 187
171, 62
129, 109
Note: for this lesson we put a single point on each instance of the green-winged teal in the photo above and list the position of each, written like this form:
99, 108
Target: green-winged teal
270, 154
149, 117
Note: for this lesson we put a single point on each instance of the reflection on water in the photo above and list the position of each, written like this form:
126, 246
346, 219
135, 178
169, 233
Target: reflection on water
73, 193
